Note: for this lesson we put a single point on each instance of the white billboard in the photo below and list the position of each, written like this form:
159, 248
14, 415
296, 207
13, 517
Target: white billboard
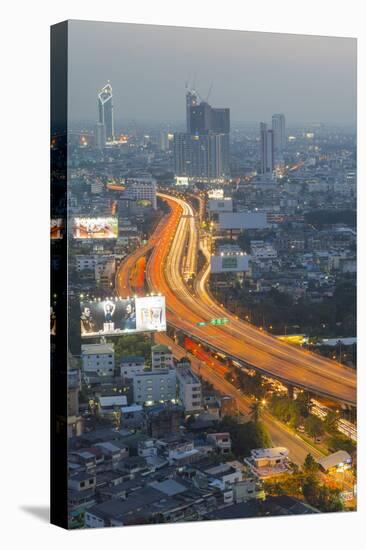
150, 313
181, 181
243, 220
226, 263
216, 194
220, 205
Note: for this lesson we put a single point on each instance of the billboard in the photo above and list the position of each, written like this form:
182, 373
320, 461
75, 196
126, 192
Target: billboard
243, 220
229, 263
117, 316
57, 228
150, 313
216, 194
95, 228
220, 205
181, 181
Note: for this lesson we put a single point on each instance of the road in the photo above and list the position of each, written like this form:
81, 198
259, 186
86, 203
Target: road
238, 339
280, 435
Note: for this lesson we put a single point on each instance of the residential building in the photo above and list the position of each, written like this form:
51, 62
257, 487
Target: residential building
162, 420
224, 474
98, 359
161, 357
131, 364
155, 386
269, 462
132, 416
189, 389
247, 489
109, 404
222, 441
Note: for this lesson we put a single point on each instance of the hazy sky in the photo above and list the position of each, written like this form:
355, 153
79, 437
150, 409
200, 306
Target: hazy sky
309, 78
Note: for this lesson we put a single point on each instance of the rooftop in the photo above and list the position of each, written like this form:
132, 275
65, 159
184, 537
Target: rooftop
111, 401
272, 452
97, 349
132, 359
188, 376
334, 460
169, 487
160, 348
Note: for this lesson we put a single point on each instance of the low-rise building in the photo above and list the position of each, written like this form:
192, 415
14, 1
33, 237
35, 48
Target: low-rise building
222, 441
269, 462
132, 416
155, 386
162, 420
223, 475
247, 489
161, 357
189, 389
335, 462
98, 359
130, 365
110, 404
147, 448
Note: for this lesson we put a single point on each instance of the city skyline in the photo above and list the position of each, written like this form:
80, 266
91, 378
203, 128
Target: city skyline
273, 73
204, 278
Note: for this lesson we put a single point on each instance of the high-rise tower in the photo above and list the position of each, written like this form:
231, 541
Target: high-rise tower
105, 108
191, 101
204, 150
279, 134
266, 149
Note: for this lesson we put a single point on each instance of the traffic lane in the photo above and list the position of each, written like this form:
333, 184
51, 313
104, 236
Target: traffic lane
157, 268
279, 434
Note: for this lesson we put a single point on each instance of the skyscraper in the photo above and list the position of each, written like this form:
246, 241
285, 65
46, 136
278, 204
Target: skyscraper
204, 119
204, 151
191, 101
99, 135
279, 134
105, 108
266, 149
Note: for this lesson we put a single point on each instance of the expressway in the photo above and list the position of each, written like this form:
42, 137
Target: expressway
279, 433
238, 339
124, 272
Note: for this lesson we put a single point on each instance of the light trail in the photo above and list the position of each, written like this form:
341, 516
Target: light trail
238, 339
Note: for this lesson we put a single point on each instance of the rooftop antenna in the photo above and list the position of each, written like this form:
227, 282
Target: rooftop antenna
209, 92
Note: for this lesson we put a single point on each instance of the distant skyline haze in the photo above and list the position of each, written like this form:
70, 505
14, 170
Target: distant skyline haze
255, 74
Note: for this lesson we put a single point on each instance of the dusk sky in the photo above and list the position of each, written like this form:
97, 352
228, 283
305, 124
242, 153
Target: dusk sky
309, 78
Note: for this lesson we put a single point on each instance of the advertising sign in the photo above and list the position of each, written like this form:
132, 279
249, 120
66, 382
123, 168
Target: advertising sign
113, 317
95, 228
57, 228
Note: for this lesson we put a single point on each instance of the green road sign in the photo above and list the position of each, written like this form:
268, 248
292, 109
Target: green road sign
220, 321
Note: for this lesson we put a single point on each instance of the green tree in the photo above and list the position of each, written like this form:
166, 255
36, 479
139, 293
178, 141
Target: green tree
331, 422
255, 411
314, 426
310, 465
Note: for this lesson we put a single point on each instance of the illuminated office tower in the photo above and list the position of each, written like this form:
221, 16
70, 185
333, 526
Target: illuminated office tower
266, 149
105, 107
279, 134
